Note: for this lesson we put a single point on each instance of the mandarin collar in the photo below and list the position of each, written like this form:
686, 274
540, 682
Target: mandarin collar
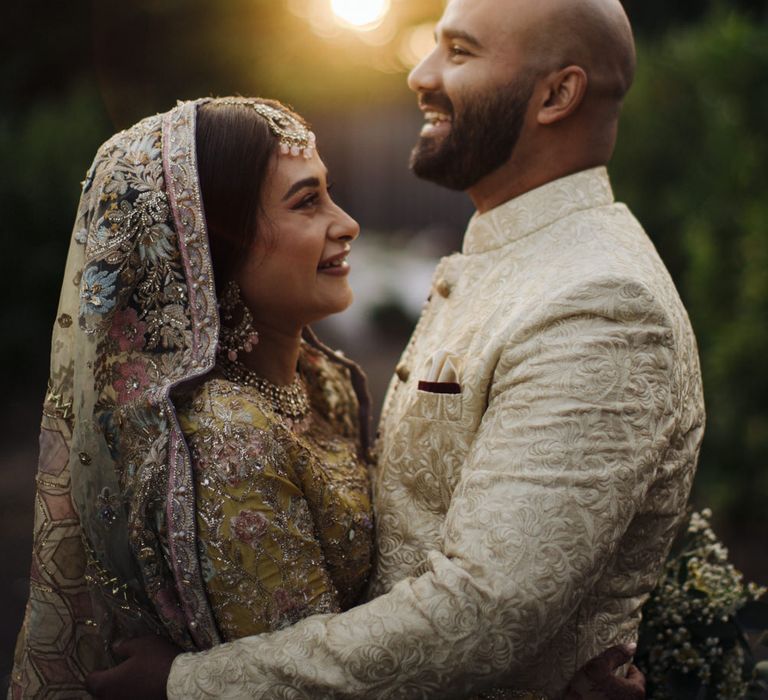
536, 209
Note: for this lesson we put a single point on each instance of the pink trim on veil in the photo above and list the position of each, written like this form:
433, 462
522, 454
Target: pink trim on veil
180, 168
167, 141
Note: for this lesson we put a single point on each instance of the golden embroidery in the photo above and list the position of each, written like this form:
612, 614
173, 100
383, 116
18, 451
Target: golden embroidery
56, 406
283, 508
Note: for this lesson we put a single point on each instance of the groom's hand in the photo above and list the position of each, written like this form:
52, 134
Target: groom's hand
143, 672
595, 679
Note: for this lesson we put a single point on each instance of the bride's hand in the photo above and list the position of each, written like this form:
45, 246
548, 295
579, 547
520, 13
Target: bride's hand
143, 672
595, 679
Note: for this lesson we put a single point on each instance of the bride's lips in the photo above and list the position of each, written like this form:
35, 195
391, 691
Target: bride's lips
335, 265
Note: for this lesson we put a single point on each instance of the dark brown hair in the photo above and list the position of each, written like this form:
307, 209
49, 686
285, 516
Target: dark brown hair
234, 147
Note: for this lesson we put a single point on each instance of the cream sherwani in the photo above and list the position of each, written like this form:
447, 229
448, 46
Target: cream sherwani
523, 518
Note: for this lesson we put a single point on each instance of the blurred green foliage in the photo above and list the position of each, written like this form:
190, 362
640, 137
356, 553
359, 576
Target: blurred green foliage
44, 157
692, 162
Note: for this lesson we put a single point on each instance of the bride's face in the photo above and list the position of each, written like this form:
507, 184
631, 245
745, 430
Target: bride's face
296, 271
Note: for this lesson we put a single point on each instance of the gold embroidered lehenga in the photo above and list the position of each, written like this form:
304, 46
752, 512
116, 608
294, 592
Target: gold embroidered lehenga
169, 499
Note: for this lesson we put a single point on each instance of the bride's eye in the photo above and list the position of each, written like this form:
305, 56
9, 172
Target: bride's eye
308, 200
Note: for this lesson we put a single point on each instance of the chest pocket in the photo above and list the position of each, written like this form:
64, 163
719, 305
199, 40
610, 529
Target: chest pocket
437, 407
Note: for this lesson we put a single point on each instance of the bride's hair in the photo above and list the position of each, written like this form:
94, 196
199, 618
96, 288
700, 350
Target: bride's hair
234, 147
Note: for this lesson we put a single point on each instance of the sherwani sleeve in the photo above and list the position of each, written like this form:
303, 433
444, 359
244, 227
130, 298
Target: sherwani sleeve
580, 409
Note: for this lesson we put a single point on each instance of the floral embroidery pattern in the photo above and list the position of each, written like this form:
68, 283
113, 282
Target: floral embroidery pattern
288, 607
127, 330
107, 505
234, 454
106, 418
142, 322
98, 289
284, 514
146, 215
135, 264
132, 380
248, 526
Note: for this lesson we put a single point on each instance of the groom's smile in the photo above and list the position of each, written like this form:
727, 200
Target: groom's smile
437, 124
438, 115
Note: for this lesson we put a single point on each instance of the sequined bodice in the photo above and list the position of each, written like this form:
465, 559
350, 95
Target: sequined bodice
283, 508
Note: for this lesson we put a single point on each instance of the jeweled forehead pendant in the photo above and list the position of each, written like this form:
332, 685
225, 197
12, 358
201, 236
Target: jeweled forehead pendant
295, 138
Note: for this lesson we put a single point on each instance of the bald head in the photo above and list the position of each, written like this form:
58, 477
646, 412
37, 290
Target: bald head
593, 34
549, 76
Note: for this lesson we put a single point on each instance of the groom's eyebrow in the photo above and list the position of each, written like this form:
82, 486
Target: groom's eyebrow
470, 39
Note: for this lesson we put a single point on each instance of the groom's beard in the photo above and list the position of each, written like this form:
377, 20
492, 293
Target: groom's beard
482, 136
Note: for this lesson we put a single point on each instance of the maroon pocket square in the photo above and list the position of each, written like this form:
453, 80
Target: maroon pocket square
440, 387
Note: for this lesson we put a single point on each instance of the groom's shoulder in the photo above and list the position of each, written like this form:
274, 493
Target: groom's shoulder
597, 260
592, 243
609, 231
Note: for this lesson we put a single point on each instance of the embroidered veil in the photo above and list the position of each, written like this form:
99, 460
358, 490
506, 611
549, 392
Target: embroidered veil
115, 551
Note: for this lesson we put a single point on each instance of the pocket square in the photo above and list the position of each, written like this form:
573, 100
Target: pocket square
441, 375
439, 387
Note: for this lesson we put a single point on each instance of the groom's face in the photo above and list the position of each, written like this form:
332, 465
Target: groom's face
474, 92
468, 136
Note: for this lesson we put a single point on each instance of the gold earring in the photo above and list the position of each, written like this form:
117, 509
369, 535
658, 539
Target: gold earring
242, 336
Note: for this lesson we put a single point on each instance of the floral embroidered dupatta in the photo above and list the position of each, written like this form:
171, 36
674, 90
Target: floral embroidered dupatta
114, 551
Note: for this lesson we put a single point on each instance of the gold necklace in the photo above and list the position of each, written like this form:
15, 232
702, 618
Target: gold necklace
290, 401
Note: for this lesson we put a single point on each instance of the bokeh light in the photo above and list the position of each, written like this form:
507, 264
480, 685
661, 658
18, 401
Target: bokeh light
416, 43
361, 14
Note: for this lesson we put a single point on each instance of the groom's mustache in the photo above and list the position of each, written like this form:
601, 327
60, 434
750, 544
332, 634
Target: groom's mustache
438, 101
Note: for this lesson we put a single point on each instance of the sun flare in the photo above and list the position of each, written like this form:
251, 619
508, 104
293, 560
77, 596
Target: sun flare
360, 13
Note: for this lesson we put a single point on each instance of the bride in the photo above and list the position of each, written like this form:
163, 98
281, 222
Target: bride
163, 429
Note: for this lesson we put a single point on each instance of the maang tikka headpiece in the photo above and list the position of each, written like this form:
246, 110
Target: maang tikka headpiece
295, 137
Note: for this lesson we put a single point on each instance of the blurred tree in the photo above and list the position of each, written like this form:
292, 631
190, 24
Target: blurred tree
45, 153
691, 162
657, 17
46, 49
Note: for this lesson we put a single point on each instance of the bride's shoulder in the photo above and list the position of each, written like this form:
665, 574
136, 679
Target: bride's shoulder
330, 386
216, 403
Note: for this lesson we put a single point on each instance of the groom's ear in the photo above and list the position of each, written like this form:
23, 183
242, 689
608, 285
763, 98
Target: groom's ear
564, 91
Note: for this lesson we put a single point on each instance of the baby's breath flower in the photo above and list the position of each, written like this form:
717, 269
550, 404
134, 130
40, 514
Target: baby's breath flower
689, 623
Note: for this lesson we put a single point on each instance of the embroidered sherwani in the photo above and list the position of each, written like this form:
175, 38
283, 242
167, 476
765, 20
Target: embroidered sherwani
536, 453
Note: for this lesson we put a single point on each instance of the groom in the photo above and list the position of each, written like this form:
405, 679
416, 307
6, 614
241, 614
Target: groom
540, 436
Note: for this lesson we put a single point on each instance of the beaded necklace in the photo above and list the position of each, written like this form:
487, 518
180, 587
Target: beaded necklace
290, 401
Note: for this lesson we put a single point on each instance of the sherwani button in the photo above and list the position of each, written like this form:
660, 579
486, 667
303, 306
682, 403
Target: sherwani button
443, 287
402, 372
